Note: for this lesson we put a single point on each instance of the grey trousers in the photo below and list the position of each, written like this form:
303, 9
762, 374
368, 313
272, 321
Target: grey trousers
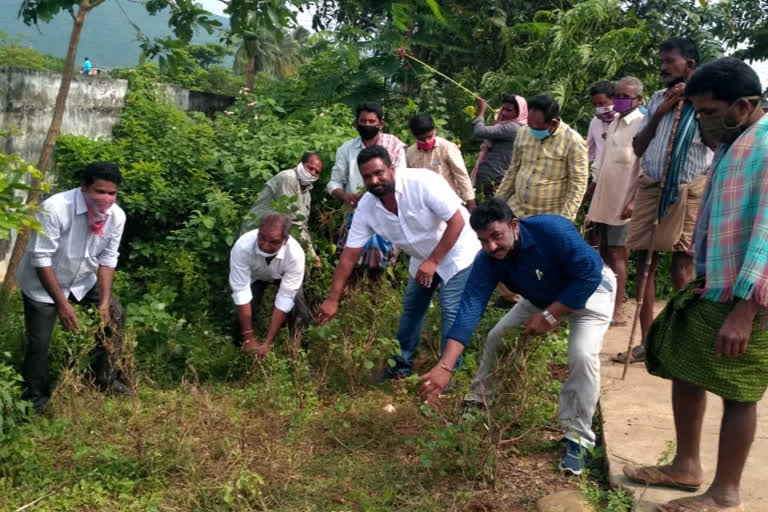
580, 393
39, 321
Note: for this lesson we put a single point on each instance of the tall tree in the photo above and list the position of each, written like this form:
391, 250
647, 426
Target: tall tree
186, 14
259, 24
279, 57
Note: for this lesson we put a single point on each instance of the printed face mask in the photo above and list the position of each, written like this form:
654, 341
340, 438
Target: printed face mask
426, 145
97, 205
605, 113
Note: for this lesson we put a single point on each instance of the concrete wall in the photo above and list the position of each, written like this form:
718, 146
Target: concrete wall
27, 99
94, 105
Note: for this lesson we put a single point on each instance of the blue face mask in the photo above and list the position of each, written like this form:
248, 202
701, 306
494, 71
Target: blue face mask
539, 134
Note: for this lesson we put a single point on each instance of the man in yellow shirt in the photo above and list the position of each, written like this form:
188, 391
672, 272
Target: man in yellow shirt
549, 170
439, 155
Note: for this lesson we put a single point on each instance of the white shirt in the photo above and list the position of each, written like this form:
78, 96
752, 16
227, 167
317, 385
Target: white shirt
618, 170
598, 131
425, 202
345, 173
69, 246
247, 266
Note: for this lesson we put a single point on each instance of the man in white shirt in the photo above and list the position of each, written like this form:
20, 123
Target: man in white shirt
419, 212
346, 183
260, 258
73, 260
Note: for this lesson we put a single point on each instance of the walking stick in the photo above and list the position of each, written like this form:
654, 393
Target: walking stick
654, 231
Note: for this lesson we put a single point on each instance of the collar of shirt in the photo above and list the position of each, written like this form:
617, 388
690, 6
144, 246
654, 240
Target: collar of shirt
631, 116
558, 131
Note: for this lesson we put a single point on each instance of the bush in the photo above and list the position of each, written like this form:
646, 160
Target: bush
13, 410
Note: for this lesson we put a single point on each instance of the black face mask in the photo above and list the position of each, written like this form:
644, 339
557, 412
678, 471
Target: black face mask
367, 132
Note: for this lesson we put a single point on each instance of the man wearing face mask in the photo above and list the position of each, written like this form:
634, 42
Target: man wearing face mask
685, 180
602, 94
712, 335
548, 172
544, 259
419, 212
297, 183
73, 260
439, 155
346, 184
613, 182
267, 256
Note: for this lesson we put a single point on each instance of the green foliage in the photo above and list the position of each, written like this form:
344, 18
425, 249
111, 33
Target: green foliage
359, 339
606, 500
15, 54
196, 67
13, 410
565, 50
14, 178
460, 449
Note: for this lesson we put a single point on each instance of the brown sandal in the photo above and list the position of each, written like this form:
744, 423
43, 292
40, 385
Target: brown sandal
694, 505
652, 475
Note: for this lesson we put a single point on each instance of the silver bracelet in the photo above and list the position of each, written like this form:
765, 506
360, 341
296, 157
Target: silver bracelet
445, 367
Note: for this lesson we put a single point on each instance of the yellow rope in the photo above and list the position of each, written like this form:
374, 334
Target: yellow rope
454, 82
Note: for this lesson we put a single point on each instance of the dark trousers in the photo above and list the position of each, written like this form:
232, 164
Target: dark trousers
298, 318
39, 320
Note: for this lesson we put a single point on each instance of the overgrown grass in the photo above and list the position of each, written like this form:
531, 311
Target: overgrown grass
303, 430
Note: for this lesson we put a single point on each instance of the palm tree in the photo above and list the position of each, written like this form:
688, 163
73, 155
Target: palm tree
276, 54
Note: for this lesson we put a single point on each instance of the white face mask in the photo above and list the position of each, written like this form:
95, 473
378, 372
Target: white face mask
305, 177
265, 254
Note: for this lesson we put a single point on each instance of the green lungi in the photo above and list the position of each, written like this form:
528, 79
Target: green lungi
682, 341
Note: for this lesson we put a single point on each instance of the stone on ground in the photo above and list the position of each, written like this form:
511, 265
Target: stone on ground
564, 501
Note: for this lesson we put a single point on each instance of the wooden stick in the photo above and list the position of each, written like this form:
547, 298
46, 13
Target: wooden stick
654, 231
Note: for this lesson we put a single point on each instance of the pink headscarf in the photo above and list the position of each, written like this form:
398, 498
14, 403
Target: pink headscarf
521, 119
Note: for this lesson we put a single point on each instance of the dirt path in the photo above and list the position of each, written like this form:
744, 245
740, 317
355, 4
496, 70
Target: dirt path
638, 428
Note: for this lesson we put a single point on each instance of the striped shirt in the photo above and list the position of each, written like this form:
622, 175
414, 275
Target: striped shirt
699, 155
546, 176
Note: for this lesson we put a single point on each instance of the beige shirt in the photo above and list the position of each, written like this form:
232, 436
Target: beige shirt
619, 167
446, 160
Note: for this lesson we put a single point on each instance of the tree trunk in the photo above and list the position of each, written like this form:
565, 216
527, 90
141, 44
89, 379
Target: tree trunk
50, 139
251, 73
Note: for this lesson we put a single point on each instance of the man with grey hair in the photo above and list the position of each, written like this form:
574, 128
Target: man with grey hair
614, 178
262, 257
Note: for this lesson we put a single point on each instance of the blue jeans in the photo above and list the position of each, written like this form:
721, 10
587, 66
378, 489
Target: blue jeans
415, 305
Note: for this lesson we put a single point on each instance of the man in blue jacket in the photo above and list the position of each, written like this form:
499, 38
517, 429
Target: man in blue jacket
544, 259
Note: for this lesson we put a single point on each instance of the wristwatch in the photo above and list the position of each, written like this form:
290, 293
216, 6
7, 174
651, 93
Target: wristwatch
549, 317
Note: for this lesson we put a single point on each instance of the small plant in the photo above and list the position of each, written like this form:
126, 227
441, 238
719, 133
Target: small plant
605, 500
13, 410
668, 454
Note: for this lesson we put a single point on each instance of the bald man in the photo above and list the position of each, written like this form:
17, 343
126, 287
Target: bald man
262, 257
